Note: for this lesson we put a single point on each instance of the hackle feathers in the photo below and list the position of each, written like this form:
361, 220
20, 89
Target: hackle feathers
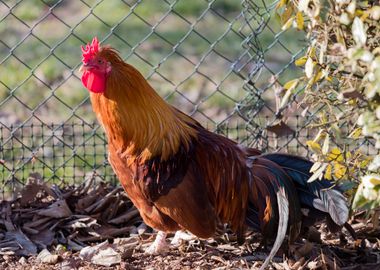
136, 119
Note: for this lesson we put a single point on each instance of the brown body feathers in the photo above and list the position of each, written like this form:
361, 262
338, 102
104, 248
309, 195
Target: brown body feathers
181, 176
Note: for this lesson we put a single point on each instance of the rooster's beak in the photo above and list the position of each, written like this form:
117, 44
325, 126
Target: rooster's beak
85, 66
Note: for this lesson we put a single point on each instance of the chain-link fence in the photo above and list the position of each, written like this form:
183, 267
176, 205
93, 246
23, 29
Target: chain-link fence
220, 61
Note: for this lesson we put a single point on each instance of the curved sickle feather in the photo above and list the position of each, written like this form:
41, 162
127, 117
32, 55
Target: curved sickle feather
321, 194
283, 206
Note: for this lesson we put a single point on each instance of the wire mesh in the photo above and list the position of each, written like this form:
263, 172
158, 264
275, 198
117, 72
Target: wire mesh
217, 60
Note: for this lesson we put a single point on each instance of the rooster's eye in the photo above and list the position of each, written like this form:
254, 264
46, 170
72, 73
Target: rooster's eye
100, 61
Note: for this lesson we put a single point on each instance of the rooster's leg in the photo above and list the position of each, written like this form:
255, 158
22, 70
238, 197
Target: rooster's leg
181, 236
159, 245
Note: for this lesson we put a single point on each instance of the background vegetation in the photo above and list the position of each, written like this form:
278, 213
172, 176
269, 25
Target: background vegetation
317, 92
341, 83
190, 51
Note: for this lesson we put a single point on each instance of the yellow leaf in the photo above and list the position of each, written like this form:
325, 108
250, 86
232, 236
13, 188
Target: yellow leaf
323, 117
311, 52
301, 61
287, 24
314, 146
281, 3
339, 35
359, 12
365, 16
352, 102
356, 133
290, 85
335, 154
328, 172
287, 14
318, 76
339, 170
299, 20
364, 163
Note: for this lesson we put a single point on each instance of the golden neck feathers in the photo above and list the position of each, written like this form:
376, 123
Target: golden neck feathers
137, 121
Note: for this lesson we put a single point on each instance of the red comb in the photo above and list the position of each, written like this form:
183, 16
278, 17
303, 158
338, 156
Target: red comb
91, 50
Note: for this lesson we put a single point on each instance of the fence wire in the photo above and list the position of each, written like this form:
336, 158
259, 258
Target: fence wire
217, 60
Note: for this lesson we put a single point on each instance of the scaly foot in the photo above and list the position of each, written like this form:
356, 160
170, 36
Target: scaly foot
159, 245
181, 236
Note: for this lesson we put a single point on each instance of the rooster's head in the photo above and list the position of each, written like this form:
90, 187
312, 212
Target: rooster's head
96, 68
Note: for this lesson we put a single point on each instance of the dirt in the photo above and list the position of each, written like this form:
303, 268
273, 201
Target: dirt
95, 226
334, 252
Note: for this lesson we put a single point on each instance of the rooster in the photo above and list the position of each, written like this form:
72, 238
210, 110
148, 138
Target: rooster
181, 176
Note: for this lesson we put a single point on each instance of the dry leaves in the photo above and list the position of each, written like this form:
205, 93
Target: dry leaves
74, 237
45, 215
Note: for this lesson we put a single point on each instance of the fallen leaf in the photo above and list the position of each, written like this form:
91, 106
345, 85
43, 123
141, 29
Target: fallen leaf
352, 94
102, 254
46, 257
58, 209
106, 257
18, 240
314, 265
305, 249
44, 238
32, 189
88, 252
70, 264
358, 32
125, 217
141, 228
280, 129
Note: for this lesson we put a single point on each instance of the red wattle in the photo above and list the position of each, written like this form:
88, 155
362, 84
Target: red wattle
95, 82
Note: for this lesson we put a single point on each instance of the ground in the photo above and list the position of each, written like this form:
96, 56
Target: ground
95, 226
